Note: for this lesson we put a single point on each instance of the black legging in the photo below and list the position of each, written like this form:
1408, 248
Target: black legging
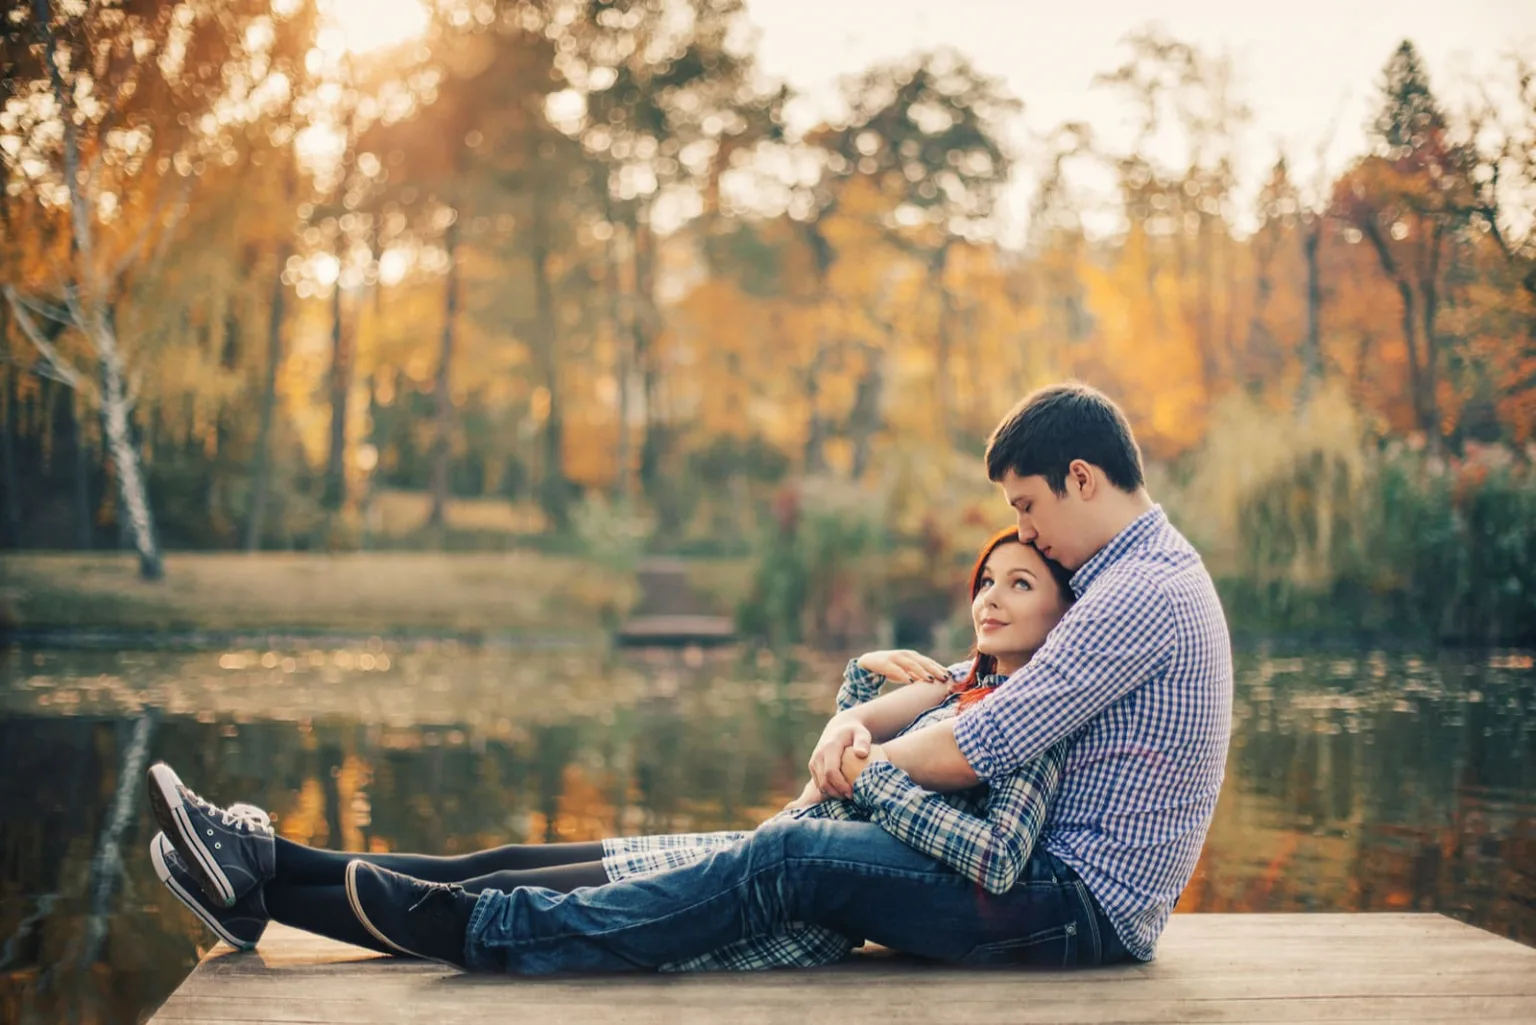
308, 890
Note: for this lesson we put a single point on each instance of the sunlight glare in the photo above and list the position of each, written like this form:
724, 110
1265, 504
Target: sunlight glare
366, 25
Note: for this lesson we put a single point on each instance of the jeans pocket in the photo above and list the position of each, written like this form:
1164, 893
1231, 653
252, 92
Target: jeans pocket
1055, 947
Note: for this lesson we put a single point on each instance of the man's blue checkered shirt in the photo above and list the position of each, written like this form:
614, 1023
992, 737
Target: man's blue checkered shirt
1137, 677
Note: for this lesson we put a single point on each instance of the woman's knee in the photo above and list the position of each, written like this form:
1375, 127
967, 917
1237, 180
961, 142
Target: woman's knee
792, 839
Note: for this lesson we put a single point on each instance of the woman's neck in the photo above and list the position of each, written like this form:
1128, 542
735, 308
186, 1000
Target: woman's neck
1007, 665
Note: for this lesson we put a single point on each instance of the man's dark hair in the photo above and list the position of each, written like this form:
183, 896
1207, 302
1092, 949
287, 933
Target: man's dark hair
1053, 426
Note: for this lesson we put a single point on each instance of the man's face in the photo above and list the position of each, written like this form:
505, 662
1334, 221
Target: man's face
1053, 524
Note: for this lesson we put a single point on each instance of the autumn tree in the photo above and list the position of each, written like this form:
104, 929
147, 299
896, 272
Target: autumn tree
1408, 200
112, 114
1176, 185
664, 99
1502, 128
926, 131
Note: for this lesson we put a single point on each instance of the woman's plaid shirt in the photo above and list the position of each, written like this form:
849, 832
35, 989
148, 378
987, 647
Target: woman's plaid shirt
985, 834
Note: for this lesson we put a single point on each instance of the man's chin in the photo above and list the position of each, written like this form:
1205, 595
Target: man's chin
1070, 563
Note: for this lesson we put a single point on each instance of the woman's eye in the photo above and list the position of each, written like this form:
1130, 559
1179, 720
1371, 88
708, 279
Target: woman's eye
1022, 583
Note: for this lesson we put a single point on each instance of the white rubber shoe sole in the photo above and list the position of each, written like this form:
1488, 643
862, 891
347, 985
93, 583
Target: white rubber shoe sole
166, 876
362, 916
171, 813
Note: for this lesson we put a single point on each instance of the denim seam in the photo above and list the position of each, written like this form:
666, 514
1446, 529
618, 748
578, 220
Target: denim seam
1093, 923
476, 916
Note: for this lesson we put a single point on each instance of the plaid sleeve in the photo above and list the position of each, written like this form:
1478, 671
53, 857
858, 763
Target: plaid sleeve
990, 851
960, 670
859, 685
625, 857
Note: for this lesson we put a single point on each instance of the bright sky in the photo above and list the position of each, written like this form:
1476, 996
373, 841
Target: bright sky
1300, 63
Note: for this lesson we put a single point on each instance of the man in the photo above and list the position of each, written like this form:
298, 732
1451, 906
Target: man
1137, 677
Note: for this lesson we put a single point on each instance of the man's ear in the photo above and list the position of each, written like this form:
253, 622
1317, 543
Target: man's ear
1081, 472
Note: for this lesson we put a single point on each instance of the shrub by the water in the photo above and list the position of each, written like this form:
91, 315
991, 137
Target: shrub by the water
1311, 526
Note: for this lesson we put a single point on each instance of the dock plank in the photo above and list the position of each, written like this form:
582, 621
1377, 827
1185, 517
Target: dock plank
1210, 968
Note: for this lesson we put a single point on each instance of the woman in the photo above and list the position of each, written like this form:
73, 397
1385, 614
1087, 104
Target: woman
244, 875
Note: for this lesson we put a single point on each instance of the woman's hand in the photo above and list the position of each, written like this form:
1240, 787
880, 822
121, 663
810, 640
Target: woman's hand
810, 795
904, 666
827, 760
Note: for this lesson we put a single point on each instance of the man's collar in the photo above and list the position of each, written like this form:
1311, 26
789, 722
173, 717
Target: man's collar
1134, 533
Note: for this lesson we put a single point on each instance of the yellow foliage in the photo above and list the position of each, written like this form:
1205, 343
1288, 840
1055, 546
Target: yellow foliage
1252, 446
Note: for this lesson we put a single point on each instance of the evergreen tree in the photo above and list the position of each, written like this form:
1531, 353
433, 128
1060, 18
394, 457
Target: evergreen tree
1410, 117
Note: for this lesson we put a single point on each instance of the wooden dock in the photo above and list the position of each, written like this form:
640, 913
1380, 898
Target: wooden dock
1210, 968
669, 613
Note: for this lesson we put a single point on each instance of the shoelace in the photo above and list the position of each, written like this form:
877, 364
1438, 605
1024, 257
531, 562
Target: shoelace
243, 816
433, 888
251, 816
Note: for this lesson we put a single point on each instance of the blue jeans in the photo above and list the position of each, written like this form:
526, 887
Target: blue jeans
852, 877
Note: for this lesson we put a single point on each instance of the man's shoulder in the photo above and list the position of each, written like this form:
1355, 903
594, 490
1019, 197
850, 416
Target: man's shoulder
1165, 575
1162, 559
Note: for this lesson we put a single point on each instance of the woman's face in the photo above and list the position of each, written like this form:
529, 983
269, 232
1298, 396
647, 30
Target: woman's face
1017, 603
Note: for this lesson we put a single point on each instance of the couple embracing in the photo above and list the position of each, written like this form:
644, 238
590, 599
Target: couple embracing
1043, 802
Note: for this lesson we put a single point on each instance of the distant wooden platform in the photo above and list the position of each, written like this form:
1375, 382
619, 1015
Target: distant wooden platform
669, 614
1210, 968
676, 631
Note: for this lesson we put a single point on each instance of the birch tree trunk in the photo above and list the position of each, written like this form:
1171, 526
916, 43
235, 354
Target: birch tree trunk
115, 406
86, 302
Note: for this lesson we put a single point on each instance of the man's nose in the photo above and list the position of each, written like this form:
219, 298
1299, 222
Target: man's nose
1026, 530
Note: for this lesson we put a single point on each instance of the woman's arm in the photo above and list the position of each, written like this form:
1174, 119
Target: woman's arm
859, 699
889, 714
991, 851
866, 719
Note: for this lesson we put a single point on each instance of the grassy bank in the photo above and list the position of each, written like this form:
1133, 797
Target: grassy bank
367, 592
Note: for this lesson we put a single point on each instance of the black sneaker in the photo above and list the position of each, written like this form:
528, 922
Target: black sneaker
240, 926
413, 917
229, 853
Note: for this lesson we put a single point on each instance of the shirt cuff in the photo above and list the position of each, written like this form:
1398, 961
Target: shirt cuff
857, 674
973, 735
880, 782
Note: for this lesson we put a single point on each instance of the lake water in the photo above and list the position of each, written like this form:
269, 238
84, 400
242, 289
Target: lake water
1358, 780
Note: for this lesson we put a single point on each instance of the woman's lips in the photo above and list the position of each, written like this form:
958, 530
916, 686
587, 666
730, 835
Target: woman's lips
991, 624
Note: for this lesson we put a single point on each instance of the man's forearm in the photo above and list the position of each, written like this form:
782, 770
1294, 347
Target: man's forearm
932, 758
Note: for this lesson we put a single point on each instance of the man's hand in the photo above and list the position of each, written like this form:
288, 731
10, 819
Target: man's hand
810, 795
827, 760
854, 763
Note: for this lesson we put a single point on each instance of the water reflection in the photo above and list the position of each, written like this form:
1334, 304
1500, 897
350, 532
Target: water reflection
1356, 782
1380, 783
